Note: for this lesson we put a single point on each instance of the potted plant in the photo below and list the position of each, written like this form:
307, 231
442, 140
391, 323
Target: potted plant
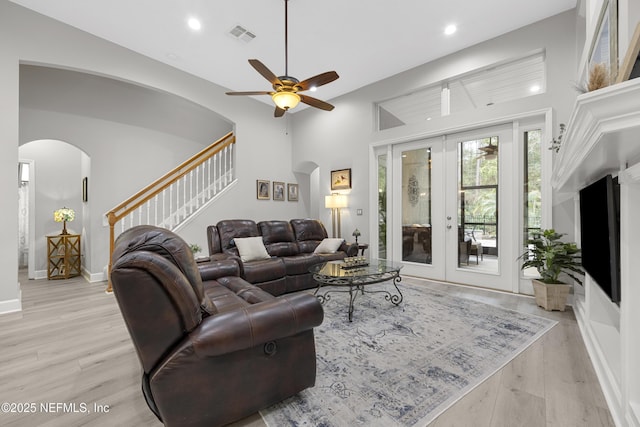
551, 257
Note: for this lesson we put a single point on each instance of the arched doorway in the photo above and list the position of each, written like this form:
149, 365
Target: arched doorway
55, 180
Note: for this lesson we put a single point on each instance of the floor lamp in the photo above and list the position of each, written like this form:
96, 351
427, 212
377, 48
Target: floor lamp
335, 202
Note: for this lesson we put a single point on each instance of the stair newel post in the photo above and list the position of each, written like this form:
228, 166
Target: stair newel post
112, 221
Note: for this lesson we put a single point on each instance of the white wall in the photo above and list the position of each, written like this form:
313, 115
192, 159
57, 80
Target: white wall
30, 38
341, 139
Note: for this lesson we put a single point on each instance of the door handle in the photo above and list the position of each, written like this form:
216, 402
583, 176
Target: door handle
448, 218
449, 226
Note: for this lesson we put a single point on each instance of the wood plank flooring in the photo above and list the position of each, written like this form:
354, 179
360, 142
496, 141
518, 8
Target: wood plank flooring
69, 346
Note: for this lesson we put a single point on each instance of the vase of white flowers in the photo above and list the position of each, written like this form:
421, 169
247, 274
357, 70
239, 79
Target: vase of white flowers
63, 215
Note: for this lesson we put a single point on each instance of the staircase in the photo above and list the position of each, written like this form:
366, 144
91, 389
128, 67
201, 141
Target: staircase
174, 198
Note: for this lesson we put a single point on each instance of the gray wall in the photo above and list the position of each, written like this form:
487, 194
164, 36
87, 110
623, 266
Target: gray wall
32, 39
265, 149
134, 135
342, 139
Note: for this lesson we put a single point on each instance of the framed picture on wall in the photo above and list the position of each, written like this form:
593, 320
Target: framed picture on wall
85, 189
341, 179
262, 189
278, 190
292, 192
630, 68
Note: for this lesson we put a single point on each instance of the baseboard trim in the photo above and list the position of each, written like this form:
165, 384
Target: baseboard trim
89, 277
94, 277
10, 306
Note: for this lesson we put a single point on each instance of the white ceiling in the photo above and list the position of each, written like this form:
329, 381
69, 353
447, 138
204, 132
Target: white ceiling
362, 40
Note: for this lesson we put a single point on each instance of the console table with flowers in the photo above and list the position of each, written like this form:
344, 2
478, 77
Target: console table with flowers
63, 250
63, 256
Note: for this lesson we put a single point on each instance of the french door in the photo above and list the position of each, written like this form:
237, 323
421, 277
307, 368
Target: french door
453, 207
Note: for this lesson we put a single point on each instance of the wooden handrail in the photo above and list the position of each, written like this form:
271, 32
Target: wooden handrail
155, 188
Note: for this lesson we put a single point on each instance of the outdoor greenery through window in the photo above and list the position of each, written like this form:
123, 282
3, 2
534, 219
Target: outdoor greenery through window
382, 206
478, 192
532, 186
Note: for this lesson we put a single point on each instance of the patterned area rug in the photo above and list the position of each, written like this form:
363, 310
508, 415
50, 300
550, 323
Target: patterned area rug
404, 365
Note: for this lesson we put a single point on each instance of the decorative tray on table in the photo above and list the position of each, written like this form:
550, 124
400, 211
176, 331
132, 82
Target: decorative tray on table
354, 262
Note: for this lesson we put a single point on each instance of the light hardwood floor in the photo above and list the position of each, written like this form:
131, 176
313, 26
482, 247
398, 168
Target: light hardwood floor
69, 345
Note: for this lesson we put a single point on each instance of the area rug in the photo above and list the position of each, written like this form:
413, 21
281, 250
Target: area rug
404, 365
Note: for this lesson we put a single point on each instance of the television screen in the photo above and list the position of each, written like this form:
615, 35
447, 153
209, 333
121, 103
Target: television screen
600, 234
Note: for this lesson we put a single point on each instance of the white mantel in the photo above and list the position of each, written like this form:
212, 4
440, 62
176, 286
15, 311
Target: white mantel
602, 136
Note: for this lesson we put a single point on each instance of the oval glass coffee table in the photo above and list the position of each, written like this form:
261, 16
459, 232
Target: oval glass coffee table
354, 280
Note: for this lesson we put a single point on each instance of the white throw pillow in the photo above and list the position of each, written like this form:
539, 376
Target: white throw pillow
328, 246
251, 248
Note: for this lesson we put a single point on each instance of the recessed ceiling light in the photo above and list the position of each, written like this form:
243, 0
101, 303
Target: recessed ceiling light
450, 29
535, 88
194, 24
313, 88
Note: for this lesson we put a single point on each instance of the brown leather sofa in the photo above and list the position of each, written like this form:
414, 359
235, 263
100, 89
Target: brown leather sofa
213, 348
290, 246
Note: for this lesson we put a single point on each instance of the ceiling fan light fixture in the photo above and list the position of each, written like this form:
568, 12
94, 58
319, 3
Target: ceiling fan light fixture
286, 100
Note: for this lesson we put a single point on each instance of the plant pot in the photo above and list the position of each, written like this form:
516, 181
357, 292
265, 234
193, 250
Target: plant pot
551, 296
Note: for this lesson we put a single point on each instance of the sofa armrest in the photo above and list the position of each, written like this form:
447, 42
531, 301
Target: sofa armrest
256, 324
213, 240
218, 267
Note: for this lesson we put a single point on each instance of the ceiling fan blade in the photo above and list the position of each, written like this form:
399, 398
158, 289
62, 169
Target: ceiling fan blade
279, 112
264, 71
317, 81
316, 102
256, 92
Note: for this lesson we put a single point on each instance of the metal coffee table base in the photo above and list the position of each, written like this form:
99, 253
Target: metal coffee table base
356, 287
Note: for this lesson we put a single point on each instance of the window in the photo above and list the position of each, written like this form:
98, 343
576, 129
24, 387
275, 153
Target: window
382, 206
422, 105
478, 191
532, 192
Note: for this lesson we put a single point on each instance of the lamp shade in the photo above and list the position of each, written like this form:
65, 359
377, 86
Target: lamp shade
286, 100
335, 201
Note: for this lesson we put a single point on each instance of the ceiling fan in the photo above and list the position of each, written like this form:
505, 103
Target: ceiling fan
285, 93
489, 152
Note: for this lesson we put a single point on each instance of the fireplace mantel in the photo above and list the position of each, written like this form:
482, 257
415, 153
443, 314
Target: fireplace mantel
602, 136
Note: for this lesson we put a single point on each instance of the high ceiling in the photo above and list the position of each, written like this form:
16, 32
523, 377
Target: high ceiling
363, 40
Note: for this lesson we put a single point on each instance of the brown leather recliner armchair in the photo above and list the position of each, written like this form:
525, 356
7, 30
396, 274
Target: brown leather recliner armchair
211, 351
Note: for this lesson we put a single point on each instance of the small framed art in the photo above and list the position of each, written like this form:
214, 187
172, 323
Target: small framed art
292, 192
278, 190
85, 189
341, 179
262, 189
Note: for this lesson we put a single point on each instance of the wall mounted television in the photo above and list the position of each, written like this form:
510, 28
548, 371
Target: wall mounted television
600, 234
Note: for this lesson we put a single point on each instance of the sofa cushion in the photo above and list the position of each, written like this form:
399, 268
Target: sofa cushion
279, 238
251, 248
308, 229
171, 247
309, 233
245, 290
231, 229
328, 246
263, 270
300, 264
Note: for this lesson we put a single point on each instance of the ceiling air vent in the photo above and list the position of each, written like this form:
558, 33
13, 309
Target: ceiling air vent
240, 33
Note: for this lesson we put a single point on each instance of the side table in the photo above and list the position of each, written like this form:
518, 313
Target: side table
362, 247
63, 256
